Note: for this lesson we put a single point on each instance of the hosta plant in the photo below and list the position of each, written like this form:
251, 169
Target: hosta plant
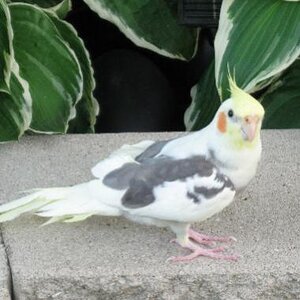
46, 77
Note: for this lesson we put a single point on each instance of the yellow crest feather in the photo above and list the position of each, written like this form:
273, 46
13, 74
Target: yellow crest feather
243, 102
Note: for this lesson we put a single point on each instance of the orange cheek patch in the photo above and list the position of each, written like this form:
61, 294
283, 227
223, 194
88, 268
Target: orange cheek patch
222, 122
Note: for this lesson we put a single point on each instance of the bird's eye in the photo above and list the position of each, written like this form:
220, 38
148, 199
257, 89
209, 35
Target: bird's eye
230, 113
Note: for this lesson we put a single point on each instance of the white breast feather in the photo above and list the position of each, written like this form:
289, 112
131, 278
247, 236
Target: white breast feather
171, 201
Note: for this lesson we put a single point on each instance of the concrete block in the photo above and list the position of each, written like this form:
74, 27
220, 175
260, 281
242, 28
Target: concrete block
111, 258
5, 280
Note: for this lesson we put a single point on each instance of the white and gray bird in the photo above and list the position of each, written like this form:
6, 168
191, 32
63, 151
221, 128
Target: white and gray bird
167, 183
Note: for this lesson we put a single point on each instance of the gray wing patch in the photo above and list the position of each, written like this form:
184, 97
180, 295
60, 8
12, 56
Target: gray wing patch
141, 179
139, 194
151, 151
211, 192
203, 192
119, 179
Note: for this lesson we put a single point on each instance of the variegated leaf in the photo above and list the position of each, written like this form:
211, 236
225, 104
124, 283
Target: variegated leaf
15, 99
152, 24
255, 41
50, 67
59, 7
205, 101
15, 108
6, 51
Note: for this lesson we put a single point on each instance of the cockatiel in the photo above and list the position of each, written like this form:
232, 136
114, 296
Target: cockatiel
168, 183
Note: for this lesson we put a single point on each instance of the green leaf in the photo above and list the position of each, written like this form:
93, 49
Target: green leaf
59, 7
15, 99
6, 52
87, 108
205, 101
49, 66
151, 24
282, 100
256, 40
15, 108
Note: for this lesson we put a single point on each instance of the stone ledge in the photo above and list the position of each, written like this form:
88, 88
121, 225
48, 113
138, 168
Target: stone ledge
110, 258
5, 280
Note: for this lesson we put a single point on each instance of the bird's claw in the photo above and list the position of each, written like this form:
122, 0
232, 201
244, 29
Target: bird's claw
198, 251
212, 253
232, 239
208, 240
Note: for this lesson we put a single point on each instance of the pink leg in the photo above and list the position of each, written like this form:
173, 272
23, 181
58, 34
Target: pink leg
198, 251
206, 239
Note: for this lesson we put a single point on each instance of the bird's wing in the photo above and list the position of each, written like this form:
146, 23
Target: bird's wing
183, 190
125, 154
138, 153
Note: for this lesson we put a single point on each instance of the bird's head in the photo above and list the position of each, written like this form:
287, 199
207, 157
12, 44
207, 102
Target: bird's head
239, 118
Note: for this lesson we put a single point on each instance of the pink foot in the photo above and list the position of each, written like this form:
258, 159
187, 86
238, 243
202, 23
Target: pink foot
198, 251
213, 253
208, 240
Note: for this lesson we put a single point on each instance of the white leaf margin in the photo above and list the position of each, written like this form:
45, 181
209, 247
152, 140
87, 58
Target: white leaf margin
27, 107
188, 120
60, 7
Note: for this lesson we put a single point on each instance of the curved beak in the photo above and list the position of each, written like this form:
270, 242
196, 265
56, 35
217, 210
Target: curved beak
249, 127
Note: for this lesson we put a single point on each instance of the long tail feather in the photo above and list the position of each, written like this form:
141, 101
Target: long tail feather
30, 203
68, 204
